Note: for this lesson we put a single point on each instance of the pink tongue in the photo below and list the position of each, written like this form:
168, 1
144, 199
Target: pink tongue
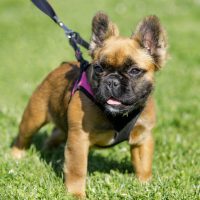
113, 102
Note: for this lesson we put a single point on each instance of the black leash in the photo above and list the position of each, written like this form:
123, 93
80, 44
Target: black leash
74, 37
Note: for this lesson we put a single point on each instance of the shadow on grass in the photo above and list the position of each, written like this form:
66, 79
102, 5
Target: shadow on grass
96, 162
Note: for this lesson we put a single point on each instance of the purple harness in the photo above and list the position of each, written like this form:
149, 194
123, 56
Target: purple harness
82, 83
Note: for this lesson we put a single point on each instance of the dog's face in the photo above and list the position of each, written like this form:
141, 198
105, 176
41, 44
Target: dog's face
122, 71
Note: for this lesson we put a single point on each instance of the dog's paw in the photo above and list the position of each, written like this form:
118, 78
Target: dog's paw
76, 192
17, 153
79, 196
144, 178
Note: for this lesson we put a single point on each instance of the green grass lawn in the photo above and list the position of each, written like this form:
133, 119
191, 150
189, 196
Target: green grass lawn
31, 46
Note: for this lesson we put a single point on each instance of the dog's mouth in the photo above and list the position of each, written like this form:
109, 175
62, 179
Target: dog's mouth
113, 102
116, 106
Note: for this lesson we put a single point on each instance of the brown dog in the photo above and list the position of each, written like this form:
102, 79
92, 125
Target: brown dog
121, 76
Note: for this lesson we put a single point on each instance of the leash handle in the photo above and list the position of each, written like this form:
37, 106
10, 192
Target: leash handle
45, 7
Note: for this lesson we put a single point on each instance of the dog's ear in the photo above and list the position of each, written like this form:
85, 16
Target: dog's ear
102, 29
151, 36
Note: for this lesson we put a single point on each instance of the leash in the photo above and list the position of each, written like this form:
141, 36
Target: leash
74, 38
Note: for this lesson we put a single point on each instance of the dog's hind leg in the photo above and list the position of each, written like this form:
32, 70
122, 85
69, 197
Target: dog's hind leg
34, 117
57, 137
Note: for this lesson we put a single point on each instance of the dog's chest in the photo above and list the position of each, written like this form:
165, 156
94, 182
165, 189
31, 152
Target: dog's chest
102, 132
102, 127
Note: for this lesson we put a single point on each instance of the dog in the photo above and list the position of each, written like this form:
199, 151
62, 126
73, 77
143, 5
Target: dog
121, 76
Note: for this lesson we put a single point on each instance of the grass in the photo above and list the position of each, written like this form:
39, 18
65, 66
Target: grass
31, 46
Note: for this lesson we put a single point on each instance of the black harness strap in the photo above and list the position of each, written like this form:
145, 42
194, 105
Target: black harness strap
121, 124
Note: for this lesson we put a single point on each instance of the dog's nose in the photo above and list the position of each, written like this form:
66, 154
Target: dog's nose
113, 83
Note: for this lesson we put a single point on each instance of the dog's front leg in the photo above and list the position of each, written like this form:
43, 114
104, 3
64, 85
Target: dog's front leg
76, 158
141, 156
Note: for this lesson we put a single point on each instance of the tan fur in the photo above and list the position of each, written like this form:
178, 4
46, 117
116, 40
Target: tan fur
117, 49
81, 121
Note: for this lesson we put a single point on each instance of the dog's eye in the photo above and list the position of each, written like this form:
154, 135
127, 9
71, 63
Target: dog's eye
98, 68
135, 71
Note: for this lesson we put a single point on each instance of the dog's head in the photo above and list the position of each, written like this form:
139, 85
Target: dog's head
122, 70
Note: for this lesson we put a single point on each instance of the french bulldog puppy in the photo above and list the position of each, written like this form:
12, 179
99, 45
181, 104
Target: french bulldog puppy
121, 77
